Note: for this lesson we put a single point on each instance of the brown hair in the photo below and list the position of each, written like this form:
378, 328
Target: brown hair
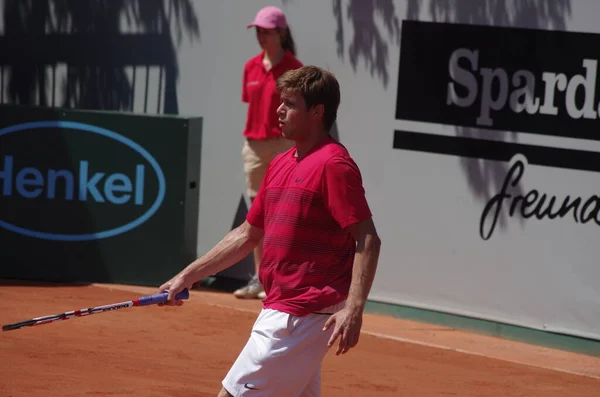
287, 42
317, 86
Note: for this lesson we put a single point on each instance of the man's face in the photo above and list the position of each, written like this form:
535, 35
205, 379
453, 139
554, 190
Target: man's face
294, 117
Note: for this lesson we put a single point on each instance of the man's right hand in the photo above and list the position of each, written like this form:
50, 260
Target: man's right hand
173, 287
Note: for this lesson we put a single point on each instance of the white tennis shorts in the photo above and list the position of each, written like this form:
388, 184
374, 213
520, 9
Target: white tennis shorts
282, 357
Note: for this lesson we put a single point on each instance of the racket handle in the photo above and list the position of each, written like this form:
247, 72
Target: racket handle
161, 298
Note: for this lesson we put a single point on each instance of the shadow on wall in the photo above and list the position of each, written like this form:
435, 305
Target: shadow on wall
89, 54
368, 44
484, 177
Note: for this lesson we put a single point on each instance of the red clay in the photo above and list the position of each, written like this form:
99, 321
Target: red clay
184, 352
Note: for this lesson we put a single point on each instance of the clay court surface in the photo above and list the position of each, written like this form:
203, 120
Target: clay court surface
184, 352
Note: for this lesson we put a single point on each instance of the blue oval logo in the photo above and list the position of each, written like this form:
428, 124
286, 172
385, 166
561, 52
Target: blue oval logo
108, 134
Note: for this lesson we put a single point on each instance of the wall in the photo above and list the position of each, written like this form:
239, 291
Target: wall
427, 194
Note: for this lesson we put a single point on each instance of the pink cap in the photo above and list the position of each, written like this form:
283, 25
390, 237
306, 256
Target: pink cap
270, 18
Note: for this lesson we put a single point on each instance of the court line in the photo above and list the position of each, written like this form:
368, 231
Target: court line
206, 301
442, 347
433, 345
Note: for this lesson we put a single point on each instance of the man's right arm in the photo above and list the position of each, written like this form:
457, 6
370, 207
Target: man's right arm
235, 246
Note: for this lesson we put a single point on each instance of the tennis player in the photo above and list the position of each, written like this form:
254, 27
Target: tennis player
320, 253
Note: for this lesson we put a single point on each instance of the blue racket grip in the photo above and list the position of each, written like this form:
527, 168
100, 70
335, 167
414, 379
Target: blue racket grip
161, 298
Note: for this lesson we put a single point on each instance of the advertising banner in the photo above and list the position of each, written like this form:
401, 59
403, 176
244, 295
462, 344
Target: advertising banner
97, 196
511, 211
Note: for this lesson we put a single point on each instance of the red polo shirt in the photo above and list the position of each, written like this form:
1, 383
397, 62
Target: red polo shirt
259, 92
303, 206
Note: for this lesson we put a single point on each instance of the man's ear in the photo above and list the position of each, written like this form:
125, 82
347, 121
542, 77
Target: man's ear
318, 111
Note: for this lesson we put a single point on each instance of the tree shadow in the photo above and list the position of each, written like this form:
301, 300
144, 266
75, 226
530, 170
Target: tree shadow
523, 13
83, 54
484, 177
89, 54
368, 43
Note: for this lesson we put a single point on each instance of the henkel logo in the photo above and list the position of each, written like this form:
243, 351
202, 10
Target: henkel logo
31, 182
499, 78
86, 183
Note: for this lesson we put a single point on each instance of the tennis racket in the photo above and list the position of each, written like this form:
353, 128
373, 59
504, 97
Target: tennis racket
142, 301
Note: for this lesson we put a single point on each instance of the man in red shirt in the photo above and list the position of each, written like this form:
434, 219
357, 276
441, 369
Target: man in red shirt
320, 249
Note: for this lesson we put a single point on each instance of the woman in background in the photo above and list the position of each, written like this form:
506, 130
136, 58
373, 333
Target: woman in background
263, 139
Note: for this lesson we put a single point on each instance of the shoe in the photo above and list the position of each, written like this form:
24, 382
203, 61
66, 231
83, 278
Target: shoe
251, 291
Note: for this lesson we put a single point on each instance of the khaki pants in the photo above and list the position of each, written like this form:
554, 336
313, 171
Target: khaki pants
257, 155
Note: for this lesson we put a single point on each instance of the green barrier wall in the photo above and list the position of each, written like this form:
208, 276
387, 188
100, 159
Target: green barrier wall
97, 196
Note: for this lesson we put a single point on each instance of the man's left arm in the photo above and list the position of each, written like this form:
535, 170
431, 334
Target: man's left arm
348, 322
345, 197
365, 263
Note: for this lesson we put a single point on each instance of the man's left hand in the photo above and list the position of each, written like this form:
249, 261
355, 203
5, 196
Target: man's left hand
347, 324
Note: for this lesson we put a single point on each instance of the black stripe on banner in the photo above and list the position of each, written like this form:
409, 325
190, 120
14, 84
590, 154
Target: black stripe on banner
497, 150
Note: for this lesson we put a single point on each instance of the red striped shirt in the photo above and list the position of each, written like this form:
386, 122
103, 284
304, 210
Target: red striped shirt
303, 206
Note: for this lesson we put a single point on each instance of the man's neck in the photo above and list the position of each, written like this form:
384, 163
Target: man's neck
305, 146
